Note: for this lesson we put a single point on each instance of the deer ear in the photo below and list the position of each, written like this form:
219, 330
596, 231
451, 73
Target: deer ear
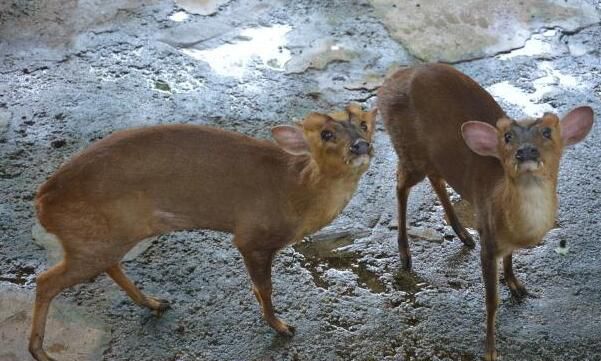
481, 138
374, 112
291, 139
576, 125
354, 108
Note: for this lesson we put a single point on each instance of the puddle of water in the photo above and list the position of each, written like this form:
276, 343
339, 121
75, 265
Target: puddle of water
179, 16
326, 254
266, 44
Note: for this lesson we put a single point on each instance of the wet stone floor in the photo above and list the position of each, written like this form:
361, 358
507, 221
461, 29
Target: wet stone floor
72, 72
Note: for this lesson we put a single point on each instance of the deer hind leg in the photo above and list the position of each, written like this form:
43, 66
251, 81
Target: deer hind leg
49, 284
405, 180
517, 289
439, 187
155, 304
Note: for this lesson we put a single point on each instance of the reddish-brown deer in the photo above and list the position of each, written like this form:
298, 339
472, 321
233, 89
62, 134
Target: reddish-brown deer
138, 183
446, 127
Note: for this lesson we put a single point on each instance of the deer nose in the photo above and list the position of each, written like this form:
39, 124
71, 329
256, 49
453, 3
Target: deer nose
527, 152
360, 147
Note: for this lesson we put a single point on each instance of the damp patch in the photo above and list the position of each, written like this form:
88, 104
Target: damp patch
323, 256
264, 46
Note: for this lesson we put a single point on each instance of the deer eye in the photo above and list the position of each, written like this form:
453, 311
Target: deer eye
364, 126
508, 137
327, 135
547, 133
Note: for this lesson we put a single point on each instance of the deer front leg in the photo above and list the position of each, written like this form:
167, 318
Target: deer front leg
490, 277
258, 263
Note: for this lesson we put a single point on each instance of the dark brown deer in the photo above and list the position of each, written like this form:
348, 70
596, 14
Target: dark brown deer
446, 127
139, 183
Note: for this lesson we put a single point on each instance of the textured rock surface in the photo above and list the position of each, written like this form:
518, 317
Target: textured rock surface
451, 31
72, 336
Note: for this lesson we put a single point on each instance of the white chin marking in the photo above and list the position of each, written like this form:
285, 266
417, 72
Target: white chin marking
360, 160
530, 166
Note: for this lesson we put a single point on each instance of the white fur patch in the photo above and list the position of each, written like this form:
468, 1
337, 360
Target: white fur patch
537, 210
360, 160
529, 166
49, 241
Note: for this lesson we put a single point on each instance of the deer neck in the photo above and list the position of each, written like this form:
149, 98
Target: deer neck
528, 205
321, 196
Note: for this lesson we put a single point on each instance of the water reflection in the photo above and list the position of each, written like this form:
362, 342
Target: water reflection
265, 44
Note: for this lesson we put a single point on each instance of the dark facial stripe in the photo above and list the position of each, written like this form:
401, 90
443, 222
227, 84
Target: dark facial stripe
526, 133
352, 129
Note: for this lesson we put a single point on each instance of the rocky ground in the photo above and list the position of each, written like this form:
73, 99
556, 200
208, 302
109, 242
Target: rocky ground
72, 72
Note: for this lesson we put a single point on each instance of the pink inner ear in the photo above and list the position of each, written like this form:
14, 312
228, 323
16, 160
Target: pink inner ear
576, 125
291, 139
481, 138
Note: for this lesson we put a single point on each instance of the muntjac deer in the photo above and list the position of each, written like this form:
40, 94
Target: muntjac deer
138, 183
444, 126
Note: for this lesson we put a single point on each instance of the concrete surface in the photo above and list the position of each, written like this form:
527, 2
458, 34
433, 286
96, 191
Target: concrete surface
74, 336
74, 71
